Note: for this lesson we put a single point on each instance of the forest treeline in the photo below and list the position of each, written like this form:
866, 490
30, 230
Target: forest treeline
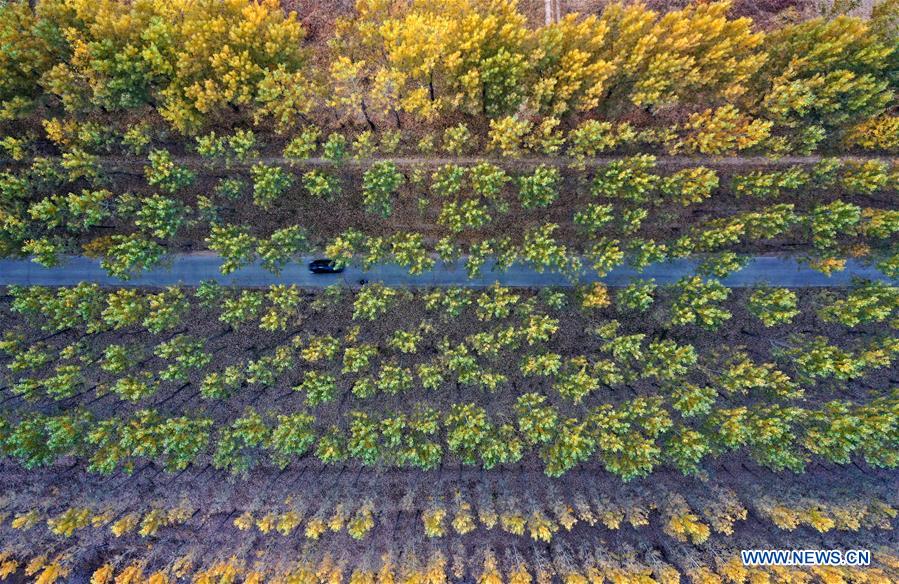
690, 80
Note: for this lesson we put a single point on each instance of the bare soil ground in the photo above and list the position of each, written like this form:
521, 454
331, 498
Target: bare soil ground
401, 498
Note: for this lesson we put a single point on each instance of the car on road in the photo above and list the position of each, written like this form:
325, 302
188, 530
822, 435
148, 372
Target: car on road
324, 266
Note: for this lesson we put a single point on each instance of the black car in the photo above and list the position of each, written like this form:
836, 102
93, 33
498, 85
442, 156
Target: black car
324, 266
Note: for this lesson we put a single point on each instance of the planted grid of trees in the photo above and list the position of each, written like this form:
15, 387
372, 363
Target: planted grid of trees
684, 381
639, 435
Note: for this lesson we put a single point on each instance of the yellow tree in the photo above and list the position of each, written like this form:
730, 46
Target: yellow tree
573, 65
197, 58
121, 53
825, 72
693, 53
226, 48
424, 58
30, 42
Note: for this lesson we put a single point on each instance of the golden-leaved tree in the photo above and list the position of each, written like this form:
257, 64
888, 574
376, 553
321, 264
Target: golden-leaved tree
829, 73
30, 43
120, 54
572, 65
193, 59
696, 54
424, 58
227, 48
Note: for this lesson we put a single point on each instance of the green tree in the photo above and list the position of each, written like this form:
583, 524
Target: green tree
242, 308
574, 381
828, 222
537, 421
164, 173
165, 310
237, 446
685, 450
695, 303
692, 400
380, 184
186, 352
637, 296
541, 188
219, 385
571, 445
183, 439
282, 247
126, 255
363, 440
160, 216
303, 145
292, 437
594, 217
373, 301
690, 185
830, 72
269, 183
321, 185
630, 179
319, 388
467, 428
234, 243
773, 306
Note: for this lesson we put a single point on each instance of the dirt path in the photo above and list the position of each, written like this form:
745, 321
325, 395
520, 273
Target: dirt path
130, 163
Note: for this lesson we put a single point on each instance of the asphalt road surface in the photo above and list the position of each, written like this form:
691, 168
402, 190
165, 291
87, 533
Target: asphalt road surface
192, 269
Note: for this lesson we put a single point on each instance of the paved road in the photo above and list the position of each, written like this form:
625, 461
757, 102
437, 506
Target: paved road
191, 269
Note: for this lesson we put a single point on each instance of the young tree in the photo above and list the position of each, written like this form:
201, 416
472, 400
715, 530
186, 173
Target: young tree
234, 243
773, 306
269, 183
605, 255
380, 184
539, 189
164, 173
124, 255
373, 301
160, 216
695, 303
